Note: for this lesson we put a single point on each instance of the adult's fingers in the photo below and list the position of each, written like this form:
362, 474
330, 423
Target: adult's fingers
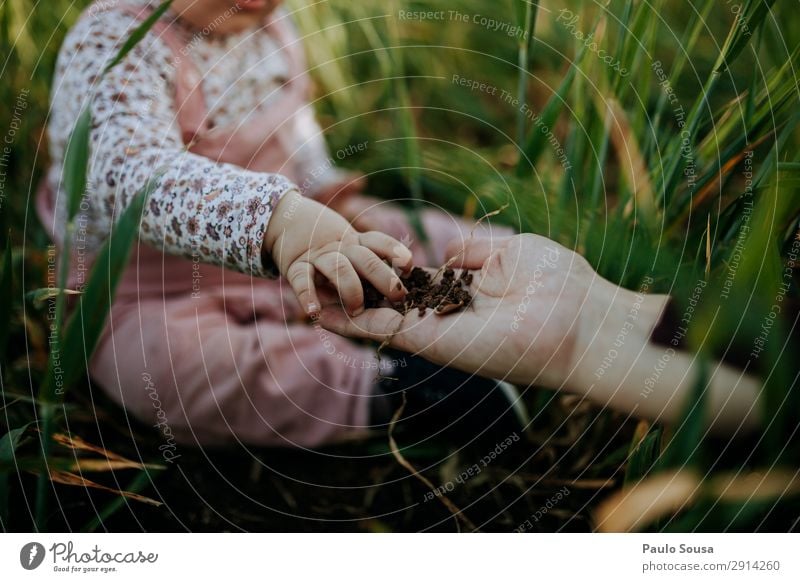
379, 324
410, 332
472, 253
301, 278
374, 270
388, 248
340, 272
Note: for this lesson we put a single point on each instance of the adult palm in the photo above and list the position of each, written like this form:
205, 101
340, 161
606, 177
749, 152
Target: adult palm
522, 325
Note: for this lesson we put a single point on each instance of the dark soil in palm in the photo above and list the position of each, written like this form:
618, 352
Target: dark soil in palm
449, 295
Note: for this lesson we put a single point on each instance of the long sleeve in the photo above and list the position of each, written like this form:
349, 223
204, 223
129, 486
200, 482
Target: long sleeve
200, 206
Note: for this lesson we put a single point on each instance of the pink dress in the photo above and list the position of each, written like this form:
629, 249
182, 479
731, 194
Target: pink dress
201, 343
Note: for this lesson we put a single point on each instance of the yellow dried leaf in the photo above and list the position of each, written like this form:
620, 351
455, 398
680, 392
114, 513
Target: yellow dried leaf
635, 507
66, 478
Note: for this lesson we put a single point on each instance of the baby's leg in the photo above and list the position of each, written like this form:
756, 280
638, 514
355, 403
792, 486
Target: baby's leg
201, 375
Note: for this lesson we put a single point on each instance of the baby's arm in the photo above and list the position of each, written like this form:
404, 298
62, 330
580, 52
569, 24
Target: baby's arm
200, 208
219, 211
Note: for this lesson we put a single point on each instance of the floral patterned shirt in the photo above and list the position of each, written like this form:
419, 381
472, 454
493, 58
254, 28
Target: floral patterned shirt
220, 210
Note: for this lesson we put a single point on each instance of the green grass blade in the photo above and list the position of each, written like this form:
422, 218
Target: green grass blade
537, 140
596, 177
525, 42
687, 43
84, 328
771, 163
39, 296
737, 40
139, 482
5, 23
643, 456
639, 62
749, 20
755, 79
685, 447
138, 34
78, 340
6, 302
411, 144
76, 162
8, 446
624, 29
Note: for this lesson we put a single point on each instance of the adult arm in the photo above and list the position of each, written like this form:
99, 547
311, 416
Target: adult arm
541, 315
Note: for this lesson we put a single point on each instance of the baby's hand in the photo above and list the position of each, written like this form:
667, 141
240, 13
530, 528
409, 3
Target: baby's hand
306, 239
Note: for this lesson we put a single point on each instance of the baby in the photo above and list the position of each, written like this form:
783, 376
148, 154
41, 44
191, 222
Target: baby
208, 334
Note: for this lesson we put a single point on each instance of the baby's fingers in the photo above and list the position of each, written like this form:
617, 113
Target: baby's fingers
374, 270
387, 248
301, 278
340, 272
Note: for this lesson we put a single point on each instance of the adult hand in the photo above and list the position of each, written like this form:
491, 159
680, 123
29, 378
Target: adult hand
536, 308
541, 315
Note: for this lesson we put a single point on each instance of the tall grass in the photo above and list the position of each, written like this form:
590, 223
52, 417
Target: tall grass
640, 187
72, 339
684, 169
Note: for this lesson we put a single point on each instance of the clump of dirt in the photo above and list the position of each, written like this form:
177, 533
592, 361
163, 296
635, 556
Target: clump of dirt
449, 295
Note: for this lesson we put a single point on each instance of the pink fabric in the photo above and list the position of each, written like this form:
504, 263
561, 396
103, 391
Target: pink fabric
440, 228
229, 355
232, 364
263, 141
213, 355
